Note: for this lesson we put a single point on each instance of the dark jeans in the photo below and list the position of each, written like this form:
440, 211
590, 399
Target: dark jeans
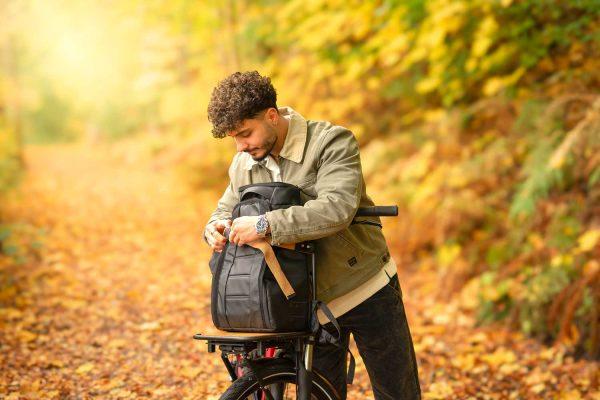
383, 339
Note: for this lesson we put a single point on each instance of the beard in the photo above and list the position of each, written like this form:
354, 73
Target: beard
268, 144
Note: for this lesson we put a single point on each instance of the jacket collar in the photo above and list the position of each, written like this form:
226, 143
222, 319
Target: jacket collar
295, 140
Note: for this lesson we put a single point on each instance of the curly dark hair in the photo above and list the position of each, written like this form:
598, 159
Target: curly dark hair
240, 96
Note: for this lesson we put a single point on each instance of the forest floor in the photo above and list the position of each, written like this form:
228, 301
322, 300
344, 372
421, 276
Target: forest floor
108, 306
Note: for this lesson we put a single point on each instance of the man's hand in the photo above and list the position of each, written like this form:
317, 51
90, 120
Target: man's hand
214, 234
243, 231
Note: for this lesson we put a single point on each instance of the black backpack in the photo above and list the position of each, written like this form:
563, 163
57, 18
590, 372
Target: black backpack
245, 296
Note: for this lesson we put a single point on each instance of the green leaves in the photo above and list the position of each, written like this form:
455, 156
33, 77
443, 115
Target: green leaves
10, 158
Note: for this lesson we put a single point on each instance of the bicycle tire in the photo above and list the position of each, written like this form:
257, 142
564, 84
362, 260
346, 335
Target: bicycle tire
277, 371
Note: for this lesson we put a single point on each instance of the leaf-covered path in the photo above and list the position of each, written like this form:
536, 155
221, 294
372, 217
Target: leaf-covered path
107, 306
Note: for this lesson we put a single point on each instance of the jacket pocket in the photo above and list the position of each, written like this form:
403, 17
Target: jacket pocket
346, 238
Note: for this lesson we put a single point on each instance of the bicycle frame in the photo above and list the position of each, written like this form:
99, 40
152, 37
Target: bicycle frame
251, 349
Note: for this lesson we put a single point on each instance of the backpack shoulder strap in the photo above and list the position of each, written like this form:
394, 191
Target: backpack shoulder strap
325, 337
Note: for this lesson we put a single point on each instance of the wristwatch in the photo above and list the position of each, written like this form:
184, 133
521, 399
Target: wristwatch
262, 225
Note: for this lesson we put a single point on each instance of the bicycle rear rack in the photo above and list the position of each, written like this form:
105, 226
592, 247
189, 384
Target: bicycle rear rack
249, 341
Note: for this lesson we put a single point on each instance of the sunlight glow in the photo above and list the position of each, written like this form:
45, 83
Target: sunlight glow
85, 50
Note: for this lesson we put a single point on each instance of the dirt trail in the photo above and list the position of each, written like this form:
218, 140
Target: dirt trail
120, 285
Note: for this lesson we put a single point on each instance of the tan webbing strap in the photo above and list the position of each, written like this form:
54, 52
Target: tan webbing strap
274, 266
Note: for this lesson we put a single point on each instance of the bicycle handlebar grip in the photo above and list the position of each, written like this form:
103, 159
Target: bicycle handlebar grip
377, 211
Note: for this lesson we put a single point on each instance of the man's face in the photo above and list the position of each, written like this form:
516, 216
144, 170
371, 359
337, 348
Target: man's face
255, 136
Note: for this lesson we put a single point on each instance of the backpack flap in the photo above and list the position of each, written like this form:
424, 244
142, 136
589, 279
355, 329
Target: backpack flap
277, 194
250, 207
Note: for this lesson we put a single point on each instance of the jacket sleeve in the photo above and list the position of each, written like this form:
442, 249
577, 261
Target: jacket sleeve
226, 203
338, 186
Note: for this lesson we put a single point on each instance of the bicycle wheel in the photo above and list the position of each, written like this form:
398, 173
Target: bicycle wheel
279, 375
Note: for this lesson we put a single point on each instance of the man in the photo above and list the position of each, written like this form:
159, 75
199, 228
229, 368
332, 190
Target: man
356, 277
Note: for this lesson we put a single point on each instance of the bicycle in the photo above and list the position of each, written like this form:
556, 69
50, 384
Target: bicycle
278, 366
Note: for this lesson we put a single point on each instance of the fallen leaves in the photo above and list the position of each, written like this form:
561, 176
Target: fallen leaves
149, 326
499, 357
26, 336
109, 309
84, 368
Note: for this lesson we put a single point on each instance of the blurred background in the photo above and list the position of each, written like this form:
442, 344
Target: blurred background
479, 118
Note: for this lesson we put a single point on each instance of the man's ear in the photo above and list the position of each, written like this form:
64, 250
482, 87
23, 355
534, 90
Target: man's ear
272, 115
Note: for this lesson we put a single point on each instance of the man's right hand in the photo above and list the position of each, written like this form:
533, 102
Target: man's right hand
214, 234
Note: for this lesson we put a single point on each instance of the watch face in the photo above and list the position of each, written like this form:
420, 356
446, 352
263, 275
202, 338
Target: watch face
261, 225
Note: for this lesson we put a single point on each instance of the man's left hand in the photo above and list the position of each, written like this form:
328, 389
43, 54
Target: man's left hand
243, 231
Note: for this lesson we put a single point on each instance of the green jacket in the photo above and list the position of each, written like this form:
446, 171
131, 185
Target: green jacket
323, 160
